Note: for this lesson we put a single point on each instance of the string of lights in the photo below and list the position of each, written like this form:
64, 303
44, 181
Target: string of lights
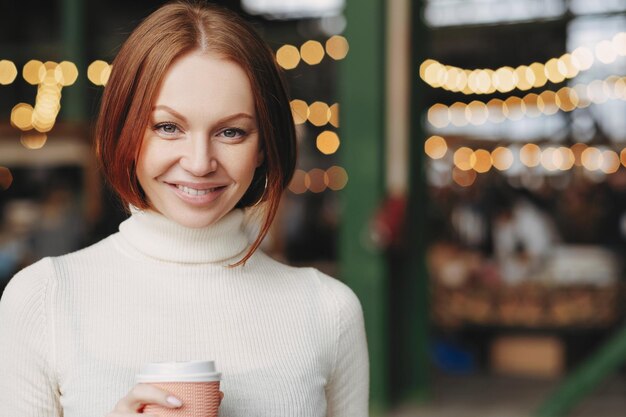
547, 102
523, 77
530, 155
312, 52
318, 180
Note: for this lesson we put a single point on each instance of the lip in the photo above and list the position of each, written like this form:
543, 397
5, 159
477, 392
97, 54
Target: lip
197, 200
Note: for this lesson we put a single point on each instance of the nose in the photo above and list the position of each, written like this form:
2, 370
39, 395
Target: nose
198, 157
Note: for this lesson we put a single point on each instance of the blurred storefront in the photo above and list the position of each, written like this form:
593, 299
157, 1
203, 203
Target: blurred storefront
472, 191
523, 128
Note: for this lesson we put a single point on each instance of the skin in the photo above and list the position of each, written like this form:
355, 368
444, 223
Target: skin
203, 135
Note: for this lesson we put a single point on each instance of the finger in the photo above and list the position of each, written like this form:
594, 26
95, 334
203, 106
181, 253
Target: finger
143, 394
221, 397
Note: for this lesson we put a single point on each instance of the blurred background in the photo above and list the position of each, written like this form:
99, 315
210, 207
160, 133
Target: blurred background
472, 189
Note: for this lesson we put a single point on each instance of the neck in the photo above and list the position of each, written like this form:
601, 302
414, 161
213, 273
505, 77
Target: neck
161, 238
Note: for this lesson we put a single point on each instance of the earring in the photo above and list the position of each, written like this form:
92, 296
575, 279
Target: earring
263, 194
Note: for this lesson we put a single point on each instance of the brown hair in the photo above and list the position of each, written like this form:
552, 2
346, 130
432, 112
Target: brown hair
138, 69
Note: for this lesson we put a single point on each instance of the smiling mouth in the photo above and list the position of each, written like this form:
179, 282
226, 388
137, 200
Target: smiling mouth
194, 191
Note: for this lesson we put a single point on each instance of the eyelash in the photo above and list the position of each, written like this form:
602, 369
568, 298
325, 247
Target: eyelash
162, 125
239, 132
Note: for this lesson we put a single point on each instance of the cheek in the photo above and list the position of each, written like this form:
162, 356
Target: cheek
151, 160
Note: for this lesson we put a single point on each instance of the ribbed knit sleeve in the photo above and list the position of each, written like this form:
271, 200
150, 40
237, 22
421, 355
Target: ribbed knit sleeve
27, 383
347, 391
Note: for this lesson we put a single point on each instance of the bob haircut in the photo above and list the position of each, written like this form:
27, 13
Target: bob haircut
173, 30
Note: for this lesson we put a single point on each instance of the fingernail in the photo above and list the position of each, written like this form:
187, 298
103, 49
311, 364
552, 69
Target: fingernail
174, 401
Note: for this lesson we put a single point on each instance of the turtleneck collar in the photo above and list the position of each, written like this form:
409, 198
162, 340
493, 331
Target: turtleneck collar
161, 238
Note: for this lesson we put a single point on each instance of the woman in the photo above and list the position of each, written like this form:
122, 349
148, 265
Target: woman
194, 127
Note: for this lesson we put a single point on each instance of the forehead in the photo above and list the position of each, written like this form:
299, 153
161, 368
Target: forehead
201, 83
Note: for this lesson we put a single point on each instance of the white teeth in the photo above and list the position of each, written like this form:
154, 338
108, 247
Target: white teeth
193, 191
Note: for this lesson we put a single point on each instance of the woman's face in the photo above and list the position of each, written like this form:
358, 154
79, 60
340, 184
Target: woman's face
201, 148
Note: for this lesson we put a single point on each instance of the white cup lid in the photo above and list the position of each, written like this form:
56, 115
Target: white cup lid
188, 371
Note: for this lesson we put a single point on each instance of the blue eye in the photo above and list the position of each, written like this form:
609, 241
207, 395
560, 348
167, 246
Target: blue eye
233, 133
167, 128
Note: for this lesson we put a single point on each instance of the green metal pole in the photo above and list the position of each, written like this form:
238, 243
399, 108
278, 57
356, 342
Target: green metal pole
73, 34
362, 127
584, 379
414, 291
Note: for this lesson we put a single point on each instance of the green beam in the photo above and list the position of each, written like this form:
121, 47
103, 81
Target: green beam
73, 39
586, 378
362, 153
414, 289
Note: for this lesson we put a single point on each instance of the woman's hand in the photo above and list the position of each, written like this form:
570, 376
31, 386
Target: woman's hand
140, 396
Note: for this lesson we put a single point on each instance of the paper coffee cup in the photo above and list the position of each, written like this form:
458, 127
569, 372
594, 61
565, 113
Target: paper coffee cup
195, 383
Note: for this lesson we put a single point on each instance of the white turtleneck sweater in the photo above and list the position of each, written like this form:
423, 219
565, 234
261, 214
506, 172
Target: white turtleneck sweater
75, 329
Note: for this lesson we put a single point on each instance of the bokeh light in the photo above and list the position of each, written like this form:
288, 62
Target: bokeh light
106, 73
610, 162
34, 72
287, 56
300, 111
564, 158
496, 110
505, 79
530, 155
514, 108
591, 159
334, 115
605, 52
583, 57
312, 52
95, 71
66, 73
297, 184
22, 116
314, 180
539, 73
8, 72
438, 115
435, 147
327, 142
457, 114
531, 104
6, 178
476, 112
462, 158
552, 71
525, 77
336, 178
567, 66
481, 161
463, 178
502, 158
33, 139
547, 159
319, 113
337, 47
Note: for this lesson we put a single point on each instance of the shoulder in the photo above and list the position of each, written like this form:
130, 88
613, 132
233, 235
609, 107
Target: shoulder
338, 297
29, 286
41, 276
344, 301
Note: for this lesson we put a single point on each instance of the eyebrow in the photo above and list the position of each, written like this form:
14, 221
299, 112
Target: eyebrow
222, 120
